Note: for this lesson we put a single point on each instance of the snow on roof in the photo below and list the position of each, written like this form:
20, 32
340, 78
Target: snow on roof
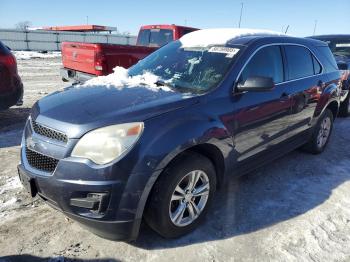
220, 36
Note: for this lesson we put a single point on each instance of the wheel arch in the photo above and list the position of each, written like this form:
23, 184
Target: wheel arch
334, 107
212, 152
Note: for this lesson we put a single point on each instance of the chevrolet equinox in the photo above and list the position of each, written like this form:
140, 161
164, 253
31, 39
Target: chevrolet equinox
155, 141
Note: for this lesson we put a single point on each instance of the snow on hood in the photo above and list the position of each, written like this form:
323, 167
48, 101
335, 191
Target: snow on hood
120, 79
220, 36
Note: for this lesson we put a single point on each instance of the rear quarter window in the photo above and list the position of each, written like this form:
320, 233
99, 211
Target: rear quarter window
328, 61
317, 66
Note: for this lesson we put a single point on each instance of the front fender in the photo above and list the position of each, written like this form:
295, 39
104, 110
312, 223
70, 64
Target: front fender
163, 139
171, 139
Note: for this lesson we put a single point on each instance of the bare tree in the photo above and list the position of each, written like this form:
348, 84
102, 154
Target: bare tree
23, 25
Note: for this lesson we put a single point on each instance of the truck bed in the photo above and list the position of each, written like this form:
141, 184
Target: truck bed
100, 59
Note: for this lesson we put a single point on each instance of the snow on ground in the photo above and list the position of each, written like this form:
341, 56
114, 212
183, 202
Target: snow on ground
219, 36
25, 55
297, 208
10, 184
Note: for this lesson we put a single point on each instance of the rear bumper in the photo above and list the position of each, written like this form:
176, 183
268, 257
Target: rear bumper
14, 98
75, 76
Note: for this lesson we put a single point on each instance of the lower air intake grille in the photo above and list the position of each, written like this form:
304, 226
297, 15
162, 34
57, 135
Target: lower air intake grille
41, 162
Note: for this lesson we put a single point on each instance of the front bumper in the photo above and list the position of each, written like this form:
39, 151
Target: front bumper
75, 76
108, 199
59, 194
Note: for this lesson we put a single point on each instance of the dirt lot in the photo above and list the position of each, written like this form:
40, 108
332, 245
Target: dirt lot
295, 209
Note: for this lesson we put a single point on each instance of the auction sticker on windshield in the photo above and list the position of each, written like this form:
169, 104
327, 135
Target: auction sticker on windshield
231, 52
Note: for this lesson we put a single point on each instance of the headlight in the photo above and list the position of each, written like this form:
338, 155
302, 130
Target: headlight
108, 143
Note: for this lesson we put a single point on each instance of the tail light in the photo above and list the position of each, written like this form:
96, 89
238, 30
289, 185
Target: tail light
100, 62
9, 61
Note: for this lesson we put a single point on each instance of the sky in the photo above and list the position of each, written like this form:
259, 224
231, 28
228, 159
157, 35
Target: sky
332, 16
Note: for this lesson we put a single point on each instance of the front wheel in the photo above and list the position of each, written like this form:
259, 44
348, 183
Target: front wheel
321, 133
180, 198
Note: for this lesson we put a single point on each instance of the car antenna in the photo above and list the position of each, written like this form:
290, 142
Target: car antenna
286, 30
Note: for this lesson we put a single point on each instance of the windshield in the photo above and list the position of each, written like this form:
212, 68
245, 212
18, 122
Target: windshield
339, 47
193, 69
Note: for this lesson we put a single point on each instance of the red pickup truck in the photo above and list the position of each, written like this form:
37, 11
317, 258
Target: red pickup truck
82, 61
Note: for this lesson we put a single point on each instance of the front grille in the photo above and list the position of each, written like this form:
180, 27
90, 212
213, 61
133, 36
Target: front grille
48, 132
41, 162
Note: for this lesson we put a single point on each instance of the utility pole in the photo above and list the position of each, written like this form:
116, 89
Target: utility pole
315, 27
240, 16
87, 19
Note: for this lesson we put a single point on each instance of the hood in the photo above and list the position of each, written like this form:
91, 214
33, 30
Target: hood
76, 110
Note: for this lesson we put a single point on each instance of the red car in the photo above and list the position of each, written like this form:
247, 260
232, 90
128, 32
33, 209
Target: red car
11, 87
82, 61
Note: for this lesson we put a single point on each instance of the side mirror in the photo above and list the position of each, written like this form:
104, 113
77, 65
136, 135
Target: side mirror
257, 84
343, 66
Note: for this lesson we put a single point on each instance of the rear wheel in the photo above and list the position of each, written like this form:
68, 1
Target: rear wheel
321, 133
180, 198
344, 109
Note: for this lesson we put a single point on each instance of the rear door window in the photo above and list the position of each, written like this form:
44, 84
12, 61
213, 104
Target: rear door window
267, 62
300, 62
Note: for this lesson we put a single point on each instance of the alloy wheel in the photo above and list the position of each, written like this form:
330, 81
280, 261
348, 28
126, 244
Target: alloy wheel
324, 132
189, 198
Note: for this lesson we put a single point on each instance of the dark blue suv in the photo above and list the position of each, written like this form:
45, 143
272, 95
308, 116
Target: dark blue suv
154, 142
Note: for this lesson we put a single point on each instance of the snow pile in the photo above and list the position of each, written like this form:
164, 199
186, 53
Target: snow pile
26, 55
11, 183
8, 203
220, 36
120, 79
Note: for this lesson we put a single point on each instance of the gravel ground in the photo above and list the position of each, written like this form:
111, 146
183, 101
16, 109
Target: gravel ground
295, 209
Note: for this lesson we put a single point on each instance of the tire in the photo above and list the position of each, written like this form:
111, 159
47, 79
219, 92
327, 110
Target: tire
160, 206
344, 110
12, 99
321, 133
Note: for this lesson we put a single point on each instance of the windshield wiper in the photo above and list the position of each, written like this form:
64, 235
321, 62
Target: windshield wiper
175, 87
168, 84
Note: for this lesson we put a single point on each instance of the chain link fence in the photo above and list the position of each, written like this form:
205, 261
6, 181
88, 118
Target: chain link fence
51, 40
